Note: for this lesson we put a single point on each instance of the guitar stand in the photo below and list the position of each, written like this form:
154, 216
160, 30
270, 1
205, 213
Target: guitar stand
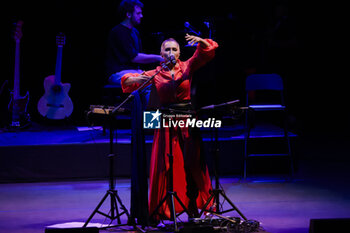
217, 192
113, 213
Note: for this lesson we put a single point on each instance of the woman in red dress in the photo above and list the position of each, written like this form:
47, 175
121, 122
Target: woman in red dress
191, 179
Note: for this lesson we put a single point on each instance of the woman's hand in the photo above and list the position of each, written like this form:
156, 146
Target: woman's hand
196, 39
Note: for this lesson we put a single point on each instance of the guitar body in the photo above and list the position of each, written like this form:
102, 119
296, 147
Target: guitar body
55, 104
18, 109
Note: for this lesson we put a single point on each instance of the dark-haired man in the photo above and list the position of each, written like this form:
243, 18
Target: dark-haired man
124, 44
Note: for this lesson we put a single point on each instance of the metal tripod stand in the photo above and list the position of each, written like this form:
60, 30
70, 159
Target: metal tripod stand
171, 195
113, 213
111, 192
217, 192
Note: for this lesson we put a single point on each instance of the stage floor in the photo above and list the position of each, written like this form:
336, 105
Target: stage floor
320, 188
281, 207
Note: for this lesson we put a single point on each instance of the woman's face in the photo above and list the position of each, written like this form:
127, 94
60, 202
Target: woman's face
170, 47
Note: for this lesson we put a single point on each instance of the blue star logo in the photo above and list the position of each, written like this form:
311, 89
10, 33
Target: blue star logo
151, 119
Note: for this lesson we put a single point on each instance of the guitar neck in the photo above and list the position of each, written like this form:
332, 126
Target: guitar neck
16, 84
58, 65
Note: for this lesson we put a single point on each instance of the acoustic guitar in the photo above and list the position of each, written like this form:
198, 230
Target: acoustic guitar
18, 104
55, 104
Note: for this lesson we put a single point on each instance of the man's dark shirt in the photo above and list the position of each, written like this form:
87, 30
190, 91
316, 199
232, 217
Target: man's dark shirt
123, 45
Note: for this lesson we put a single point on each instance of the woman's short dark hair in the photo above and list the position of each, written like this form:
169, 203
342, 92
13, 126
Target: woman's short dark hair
168, 40
128, 6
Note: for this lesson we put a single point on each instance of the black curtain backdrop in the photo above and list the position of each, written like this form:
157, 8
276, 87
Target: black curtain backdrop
303, 49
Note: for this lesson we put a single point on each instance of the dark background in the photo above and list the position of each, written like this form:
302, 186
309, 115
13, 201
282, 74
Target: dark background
306, 50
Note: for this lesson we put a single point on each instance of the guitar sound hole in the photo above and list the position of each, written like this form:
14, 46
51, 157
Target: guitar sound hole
56, 88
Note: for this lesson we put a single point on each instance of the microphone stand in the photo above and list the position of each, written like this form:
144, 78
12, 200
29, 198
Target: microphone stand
171, 195
217, 192
112, 192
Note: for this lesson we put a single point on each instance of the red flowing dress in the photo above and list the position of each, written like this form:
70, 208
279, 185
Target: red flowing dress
191, 178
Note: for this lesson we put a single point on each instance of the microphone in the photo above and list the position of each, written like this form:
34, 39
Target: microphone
172, 59
192, 29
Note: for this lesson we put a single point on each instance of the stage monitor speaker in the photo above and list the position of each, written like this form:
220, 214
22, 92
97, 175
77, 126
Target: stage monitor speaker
72, 230
336, 225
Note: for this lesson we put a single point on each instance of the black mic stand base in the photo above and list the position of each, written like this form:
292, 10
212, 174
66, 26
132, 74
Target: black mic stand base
113, 213
215, 197
171, 197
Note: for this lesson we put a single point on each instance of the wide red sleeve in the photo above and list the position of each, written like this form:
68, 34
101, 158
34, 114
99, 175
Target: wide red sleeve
134, 86
202, 55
